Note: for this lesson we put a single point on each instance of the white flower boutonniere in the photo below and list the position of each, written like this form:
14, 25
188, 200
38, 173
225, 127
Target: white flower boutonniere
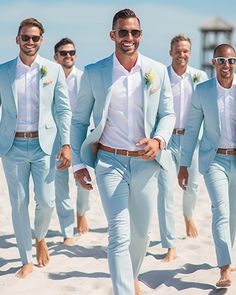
196, 78
150, 77
43, 71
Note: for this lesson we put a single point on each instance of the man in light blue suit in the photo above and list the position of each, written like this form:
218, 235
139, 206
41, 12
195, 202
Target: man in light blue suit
130, 98
183, 79
214, 105
35, 106
65, 55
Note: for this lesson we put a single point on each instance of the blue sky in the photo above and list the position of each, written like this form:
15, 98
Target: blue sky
88, 23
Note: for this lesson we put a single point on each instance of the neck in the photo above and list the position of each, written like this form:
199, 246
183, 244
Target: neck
67, 71
179, 70
27, 60
128, 62
227, 83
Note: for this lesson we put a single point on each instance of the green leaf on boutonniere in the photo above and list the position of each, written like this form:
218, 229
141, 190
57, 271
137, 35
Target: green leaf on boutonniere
43, 71
196, 78
150, 77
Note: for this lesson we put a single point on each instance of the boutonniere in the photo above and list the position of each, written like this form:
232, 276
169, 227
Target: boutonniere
150, 77
196, 78
43, 71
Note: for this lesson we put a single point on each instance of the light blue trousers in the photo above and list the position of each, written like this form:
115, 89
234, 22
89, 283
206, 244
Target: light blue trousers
220, 180
166, 187
127, 187
64, 206
26, 158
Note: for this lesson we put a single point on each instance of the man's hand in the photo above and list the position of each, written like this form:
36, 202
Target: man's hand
183, 177
64, 157
151, 148
82, 176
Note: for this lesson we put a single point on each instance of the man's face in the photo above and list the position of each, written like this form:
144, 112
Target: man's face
66, 56
180, 53
127, 36
29, 40
224, 68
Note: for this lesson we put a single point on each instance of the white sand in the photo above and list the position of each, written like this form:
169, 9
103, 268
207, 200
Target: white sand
82, 269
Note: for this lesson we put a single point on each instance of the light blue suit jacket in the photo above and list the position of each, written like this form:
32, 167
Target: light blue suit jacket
79, 74
204, 110
95, 95
53, 106
195, 73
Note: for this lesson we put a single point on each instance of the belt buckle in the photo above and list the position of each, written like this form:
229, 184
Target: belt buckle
28, 135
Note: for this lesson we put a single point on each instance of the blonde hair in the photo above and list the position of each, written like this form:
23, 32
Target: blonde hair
179, 38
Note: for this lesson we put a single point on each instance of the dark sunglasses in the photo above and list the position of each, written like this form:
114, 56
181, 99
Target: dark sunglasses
223, 60
65, 52
26, 38
123, 33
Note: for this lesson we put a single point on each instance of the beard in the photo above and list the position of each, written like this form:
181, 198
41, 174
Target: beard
29, 52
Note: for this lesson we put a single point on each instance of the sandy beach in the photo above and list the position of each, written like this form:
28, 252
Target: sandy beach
82, 269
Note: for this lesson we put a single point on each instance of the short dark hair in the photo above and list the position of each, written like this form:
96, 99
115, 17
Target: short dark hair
63, 41
31, 22
223, 46
124, 13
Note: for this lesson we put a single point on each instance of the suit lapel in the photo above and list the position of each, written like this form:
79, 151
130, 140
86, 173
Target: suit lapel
12, 80
107, 82
145, 88
213, 104
41, 79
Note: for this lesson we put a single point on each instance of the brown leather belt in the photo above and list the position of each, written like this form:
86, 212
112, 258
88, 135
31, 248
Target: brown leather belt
226, 151
118, 151
34, 134
178, 131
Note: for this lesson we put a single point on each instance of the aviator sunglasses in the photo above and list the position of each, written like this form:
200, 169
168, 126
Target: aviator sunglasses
65, 52
222, 60
26, 38
123, 33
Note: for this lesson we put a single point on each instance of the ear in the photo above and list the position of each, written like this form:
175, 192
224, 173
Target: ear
170, 52
55, 57
112, 36
213, 62
17, 39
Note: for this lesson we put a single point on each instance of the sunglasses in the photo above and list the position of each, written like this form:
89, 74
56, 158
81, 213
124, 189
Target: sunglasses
65, 52
223, 60
26, 38
123, 33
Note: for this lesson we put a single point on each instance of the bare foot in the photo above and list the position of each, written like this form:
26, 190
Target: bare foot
225, 279
137, 287
69, 241
232, 268
191, 229
25, 270
170, 255
42, 253
82, 224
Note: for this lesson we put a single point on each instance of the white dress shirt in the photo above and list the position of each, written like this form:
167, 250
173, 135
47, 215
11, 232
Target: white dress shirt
182, 89
71, 81
227, 114
125, 122
27, 88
